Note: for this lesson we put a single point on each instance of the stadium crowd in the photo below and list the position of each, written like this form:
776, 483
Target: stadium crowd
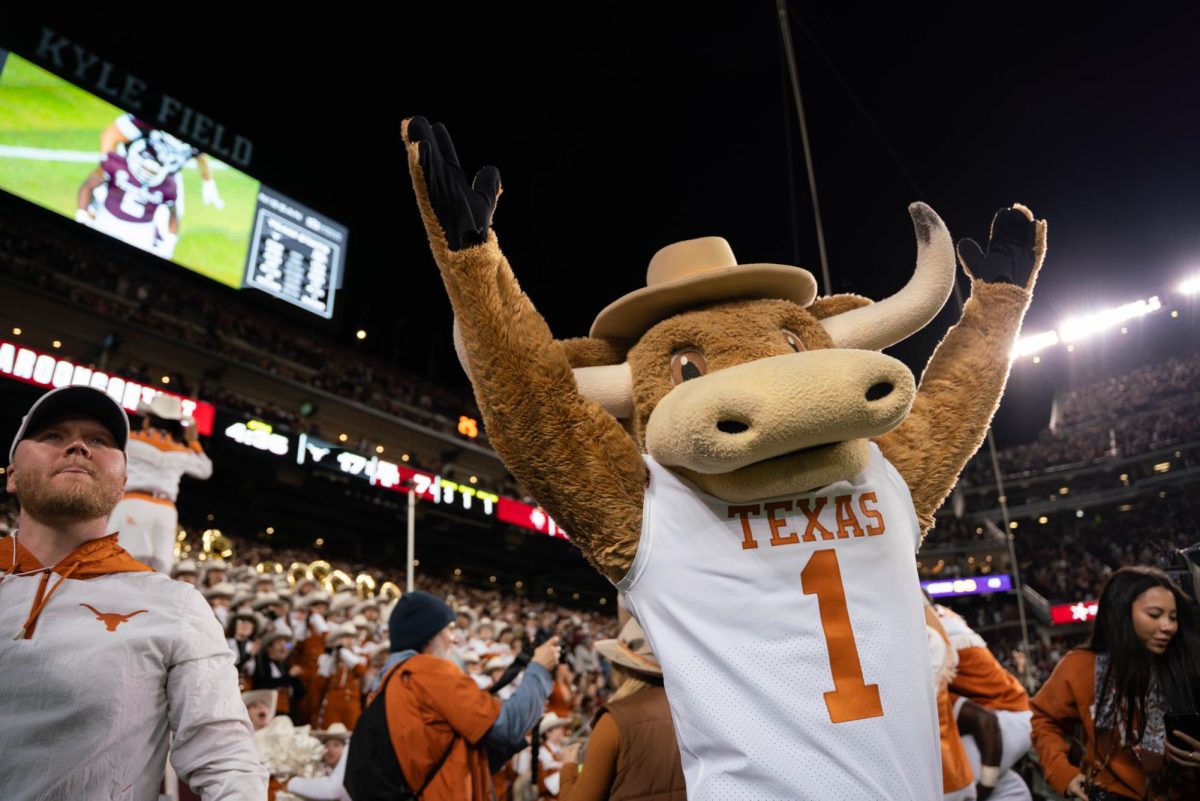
212, 320
1154, 406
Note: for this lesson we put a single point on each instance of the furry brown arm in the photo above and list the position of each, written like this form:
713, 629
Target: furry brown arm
573, 456
962, 384
960, 390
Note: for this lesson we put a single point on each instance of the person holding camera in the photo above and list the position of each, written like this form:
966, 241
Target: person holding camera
446, 734
1140, 667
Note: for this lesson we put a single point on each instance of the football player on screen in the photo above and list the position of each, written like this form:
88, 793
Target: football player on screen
174, 151
133, 197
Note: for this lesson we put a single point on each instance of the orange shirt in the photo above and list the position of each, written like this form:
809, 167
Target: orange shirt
982, 679
429, 702
561, 701
1065, 701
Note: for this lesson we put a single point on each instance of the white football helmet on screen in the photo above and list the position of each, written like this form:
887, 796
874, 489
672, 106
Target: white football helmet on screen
172, 151
145, 163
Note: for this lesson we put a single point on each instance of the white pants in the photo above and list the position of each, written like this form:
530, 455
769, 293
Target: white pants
137, 234
147, 530
1014, 733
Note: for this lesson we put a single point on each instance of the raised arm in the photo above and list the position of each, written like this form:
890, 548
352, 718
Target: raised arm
962, 384
574, 457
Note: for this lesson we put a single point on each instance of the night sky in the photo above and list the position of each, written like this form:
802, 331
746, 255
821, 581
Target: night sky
617, 133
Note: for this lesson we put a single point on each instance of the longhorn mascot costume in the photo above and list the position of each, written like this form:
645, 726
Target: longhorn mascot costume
752, 474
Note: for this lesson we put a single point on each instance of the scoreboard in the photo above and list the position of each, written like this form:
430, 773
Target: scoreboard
149, 175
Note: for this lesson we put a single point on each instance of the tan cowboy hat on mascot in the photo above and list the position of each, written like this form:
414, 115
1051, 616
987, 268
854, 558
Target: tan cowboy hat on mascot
686, 274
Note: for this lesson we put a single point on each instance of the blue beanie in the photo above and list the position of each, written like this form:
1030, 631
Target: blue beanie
417, 619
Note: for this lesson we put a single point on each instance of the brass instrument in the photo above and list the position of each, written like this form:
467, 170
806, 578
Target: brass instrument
215, 545
336, 580
268, 568
389, 591
319, 570
365, 585
182, 547
296, 573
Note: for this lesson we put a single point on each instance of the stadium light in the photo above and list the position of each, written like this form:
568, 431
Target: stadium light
361, 334
379, 449
16, 332
1077, 328
1190, 286
56, 343
1035, 342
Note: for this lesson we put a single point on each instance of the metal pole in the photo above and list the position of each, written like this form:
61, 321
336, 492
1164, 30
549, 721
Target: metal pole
1010, 540
790, 54
412, 535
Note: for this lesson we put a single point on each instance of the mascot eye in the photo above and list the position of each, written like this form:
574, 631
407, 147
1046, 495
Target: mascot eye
793, 341
686, 365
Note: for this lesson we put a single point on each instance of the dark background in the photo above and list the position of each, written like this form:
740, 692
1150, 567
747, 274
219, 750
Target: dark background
619, 130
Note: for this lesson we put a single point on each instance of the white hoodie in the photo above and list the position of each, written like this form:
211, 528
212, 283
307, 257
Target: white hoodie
91, 683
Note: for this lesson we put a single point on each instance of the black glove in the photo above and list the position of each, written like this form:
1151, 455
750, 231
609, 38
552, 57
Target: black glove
1009, 258
463, 209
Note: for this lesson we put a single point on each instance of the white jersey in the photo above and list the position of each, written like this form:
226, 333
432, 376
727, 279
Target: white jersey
792, 638
157, 462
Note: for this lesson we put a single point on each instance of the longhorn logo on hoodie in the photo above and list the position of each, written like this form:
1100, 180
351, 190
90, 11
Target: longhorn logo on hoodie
111, 619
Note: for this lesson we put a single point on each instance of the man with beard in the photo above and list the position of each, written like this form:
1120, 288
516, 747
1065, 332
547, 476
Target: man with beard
102, 656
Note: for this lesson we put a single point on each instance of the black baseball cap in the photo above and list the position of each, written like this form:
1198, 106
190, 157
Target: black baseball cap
88, 402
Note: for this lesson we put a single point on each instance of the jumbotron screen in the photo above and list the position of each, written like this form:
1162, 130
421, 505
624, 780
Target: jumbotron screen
71, 152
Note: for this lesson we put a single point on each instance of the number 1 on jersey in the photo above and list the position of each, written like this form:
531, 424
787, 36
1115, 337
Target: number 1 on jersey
852, 698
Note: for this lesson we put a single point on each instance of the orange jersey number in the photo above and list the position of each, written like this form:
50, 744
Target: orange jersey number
851, 699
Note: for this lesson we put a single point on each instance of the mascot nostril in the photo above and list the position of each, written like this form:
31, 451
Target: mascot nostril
732, 426
879, 391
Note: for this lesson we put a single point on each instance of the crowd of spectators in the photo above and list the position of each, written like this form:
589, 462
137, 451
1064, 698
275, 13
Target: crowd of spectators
320, 651
1068, 561
1154, 406
308, 657
216, 321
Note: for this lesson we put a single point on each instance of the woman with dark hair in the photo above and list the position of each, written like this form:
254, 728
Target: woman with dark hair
1142, 662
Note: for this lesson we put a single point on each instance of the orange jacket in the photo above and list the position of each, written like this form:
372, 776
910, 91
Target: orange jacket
429, 702
1064, 702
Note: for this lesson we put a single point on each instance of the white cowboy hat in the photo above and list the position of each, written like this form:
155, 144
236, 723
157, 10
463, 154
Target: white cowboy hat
337, 731
165, 407
630, 650
552, 721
